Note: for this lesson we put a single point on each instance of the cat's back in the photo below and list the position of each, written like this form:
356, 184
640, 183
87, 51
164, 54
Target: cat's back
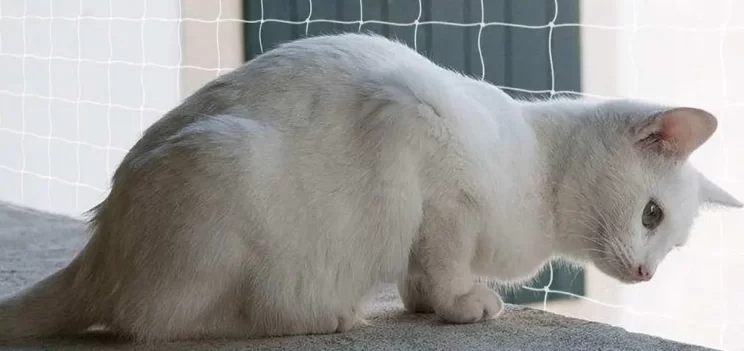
349, 58
332, 85
332, 72
333, 104
298, 87
336, 86
314, 82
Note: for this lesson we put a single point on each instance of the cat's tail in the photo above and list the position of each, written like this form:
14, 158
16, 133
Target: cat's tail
46, 309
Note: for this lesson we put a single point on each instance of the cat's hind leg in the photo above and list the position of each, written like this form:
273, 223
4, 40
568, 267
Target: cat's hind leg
294, 299
307, 312
167, 314
174, 306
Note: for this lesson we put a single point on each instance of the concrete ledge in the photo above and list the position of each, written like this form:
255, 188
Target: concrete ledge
34, 244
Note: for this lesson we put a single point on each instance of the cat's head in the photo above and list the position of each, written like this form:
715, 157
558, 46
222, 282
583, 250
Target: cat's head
630, 195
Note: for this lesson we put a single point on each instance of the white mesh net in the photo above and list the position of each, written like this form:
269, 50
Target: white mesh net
81, 79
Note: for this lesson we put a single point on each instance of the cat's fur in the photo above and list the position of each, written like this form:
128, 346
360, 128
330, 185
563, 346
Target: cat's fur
275, 198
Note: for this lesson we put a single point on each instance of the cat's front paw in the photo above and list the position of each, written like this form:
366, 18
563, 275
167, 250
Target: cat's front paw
481, 303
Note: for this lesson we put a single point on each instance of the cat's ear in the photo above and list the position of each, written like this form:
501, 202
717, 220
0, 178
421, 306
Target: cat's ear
676, 132
712, 194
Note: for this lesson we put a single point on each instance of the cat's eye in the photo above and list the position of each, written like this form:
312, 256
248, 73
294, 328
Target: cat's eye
652, 215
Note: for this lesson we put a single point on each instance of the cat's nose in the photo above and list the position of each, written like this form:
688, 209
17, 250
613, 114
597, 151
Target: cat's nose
642, 273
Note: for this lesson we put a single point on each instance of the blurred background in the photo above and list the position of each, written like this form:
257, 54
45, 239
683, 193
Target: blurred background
81, 79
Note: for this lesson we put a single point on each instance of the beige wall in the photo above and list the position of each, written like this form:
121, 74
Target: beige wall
210, 47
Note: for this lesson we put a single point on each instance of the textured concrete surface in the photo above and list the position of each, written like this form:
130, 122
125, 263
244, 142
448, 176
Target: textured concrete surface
34, 244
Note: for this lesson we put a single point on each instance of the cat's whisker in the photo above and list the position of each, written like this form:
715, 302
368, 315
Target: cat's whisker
609, 226
623, 253
587, 238
580, 220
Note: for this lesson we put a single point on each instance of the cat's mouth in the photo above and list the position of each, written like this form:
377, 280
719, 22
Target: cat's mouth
620, 275
628, 279
610, 264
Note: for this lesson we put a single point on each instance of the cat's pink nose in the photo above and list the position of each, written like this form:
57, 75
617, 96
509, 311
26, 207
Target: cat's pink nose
642, 273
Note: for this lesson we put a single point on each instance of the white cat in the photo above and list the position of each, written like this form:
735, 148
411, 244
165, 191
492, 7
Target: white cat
275, 198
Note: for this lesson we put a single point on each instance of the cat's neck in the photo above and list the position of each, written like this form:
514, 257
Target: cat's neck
556, 124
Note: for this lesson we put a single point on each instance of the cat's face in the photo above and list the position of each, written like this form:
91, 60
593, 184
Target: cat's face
633, 199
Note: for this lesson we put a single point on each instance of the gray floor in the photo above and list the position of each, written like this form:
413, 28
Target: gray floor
34, 244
